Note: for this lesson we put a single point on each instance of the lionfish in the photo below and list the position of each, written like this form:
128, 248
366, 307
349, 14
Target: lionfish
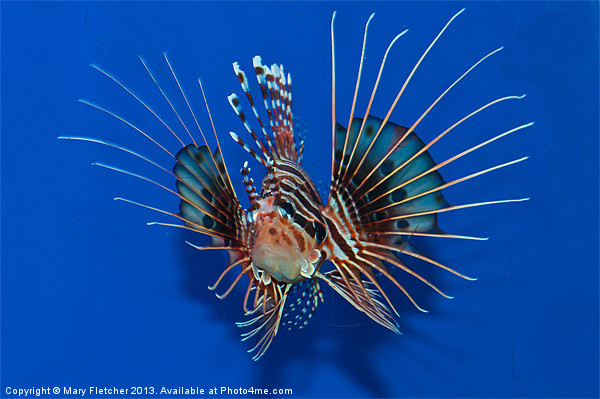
385, 187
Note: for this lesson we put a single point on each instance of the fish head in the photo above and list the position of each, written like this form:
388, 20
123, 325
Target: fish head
282, 247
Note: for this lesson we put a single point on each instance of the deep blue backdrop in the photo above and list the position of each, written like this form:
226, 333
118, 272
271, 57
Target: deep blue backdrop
92, 296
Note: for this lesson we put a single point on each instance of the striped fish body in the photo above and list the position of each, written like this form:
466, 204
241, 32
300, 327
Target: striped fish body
385, 188
288, 227
293, 233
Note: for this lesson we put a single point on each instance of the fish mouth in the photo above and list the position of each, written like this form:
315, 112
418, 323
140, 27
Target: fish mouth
280, 261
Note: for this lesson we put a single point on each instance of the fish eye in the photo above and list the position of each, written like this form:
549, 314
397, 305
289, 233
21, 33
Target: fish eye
320, 232
286, 210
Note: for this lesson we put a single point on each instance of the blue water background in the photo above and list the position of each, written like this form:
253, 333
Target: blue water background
91, 296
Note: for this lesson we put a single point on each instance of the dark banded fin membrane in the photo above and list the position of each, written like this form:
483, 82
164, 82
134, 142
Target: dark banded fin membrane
384, 192
208, 202
386, 183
